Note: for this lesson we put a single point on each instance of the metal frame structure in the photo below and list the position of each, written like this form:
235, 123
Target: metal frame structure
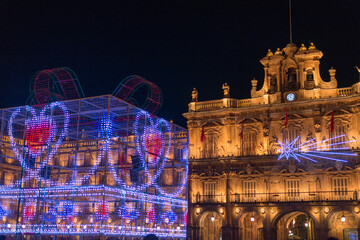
94, 166
54, 85
128, 86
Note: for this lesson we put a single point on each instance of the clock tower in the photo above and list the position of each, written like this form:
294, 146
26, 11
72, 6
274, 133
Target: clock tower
292, 74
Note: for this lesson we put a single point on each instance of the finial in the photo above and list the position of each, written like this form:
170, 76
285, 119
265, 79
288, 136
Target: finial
312, 46
278, 51
302, 48
269, 53
194, 95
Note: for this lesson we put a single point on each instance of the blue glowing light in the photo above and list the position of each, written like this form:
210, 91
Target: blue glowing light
312, 150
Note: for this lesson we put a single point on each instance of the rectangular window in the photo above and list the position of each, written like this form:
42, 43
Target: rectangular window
250, 191
249, 143
340, 188
290, 134
293, 190
338, 138
80, 159
209, 191
210, 150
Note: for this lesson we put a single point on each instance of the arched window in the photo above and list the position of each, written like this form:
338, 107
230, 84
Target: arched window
309, 75
291, 79
309, 83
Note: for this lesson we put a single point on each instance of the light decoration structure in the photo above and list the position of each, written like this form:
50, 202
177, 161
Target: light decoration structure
93, 166
329, 149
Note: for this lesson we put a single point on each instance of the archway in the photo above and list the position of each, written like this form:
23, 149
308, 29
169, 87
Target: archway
296, 225
343, 225
251, 226
211, 226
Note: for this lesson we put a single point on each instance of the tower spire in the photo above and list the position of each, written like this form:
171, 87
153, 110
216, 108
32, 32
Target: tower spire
290, 21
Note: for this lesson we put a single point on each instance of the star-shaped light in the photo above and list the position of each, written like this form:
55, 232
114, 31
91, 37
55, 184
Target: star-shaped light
312, 150
288, 150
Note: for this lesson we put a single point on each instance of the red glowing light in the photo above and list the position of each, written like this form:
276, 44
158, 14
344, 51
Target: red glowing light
37, 135
154, 144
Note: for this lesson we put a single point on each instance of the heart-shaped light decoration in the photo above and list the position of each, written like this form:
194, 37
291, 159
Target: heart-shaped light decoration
40, 133
150, 141
154, 141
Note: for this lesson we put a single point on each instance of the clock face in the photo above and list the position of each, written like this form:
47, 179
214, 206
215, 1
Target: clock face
290, 97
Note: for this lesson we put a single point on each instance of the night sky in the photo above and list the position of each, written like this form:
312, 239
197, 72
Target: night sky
176, 44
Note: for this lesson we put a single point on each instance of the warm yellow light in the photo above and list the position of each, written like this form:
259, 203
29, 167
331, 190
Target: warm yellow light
198, 210
262, 210
221, 210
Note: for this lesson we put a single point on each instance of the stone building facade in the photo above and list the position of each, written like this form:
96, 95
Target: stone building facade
238, 189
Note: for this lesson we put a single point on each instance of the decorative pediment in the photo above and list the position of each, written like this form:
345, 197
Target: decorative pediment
341, 111
211, 124
294, 124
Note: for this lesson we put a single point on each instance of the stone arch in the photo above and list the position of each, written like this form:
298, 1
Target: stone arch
210, 230
284, 218
250, 223
343, 230
283, 213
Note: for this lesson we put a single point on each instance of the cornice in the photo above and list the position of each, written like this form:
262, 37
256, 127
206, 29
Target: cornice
328, 103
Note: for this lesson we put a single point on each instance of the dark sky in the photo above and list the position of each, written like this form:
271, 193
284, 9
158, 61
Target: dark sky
176, 44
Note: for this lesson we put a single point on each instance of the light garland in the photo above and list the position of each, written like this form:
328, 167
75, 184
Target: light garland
73, 207
102, 210
29, 210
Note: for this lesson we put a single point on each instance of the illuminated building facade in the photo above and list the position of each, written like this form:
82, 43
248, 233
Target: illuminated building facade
282, 164
89, 168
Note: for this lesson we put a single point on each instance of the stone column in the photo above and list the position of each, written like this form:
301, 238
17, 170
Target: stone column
226, 233
227, 228
269, 231
322, 231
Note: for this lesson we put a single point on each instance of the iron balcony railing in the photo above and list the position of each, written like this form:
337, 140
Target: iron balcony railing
209, 198
294, 196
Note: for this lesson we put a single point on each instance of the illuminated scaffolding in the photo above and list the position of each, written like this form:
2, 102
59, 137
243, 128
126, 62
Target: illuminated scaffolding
92, 166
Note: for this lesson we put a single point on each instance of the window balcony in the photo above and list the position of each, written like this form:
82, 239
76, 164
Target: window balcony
208, 199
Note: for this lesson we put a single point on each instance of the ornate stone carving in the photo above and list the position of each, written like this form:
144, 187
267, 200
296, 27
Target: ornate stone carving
338, 165
309, 136
193, 124
292, 168
355, 109
248, 168
274, 145
260, 149
266, 130
317, 124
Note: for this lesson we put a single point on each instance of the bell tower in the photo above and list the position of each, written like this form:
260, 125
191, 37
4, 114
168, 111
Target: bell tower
294, 71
